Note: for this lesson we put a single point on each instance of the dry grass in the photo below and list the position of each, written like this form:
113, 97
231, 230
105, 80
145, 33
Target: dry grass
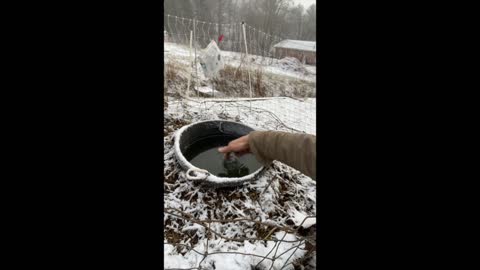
174, 69
234, 81
258, 84
270, 201
176, 77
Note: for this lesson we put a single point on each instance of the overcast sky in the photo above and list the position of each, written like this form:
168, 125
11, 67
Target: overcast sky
305, 3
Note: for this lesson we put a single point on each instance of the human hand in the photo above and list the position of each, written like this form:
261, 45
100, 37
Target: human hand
239, 146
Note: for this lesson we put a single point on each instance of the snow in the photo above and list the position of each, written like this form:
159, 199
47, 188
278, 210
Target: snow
281, 197
204, 175
207, 91
285, 252
176, 50
289, 196
180, 53
300, 218
289, 64
233, 260
293, 115
173, 259
301, 45
311, 69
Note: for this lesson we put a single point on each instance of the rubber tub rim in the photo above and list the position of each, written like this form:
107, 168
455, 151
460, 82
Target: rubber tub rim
208, 177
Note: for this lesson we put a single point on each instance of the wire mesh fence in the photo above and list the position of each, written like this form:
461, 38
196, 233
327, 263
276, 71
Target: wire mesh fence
262, 228
251, 70
266, 224
271, 256
262, 224
229, 35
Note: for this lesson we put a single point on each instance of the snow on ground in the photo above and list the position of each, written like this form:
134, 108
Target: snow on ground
293, 69
311, 69
208, 91
272, 208
277, 113
276, 209
297, 44
266, 77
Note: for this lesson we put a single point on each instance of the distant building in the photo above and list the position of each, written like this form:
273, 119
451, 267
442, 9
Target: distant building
305, 51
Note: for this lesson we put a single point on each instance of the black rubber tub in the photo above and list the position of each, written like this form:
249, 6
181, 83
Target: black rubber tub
196, 151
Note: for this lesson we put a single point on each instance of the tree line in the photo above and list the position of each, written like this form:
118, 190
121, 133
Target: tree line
276, 17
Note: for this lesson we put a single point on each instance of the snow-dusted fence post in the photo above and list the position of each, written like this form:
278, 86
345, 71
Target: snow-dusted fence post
191, 64
213, 88
195, 57
165, 78
248, 69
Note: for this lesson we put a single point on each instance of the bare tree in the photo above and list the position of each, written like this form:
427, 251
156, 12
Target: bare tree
273, 11
293, 22
299, 10
311, 23
275, 17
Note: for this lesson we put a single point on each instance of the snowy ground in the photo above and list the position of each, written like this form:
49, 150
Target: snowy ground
289, 67
265, 224
268, 76
276, 113
277, 206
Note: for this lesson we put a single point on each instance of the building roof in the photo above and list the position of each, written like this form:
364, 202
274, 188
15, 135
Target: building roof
300, 45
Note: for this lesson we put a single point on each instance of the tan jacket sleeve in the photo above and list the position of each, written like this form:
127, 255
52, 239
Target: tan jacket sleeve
295, 150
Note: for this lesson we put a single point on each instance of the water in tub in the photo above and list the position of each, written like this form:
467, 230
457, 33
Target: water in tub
204, 154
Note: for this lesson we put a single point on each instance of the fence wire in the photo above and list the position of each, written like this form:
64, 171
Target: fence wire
259, 212
177, 30
258, 75
284, 92
301, 241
